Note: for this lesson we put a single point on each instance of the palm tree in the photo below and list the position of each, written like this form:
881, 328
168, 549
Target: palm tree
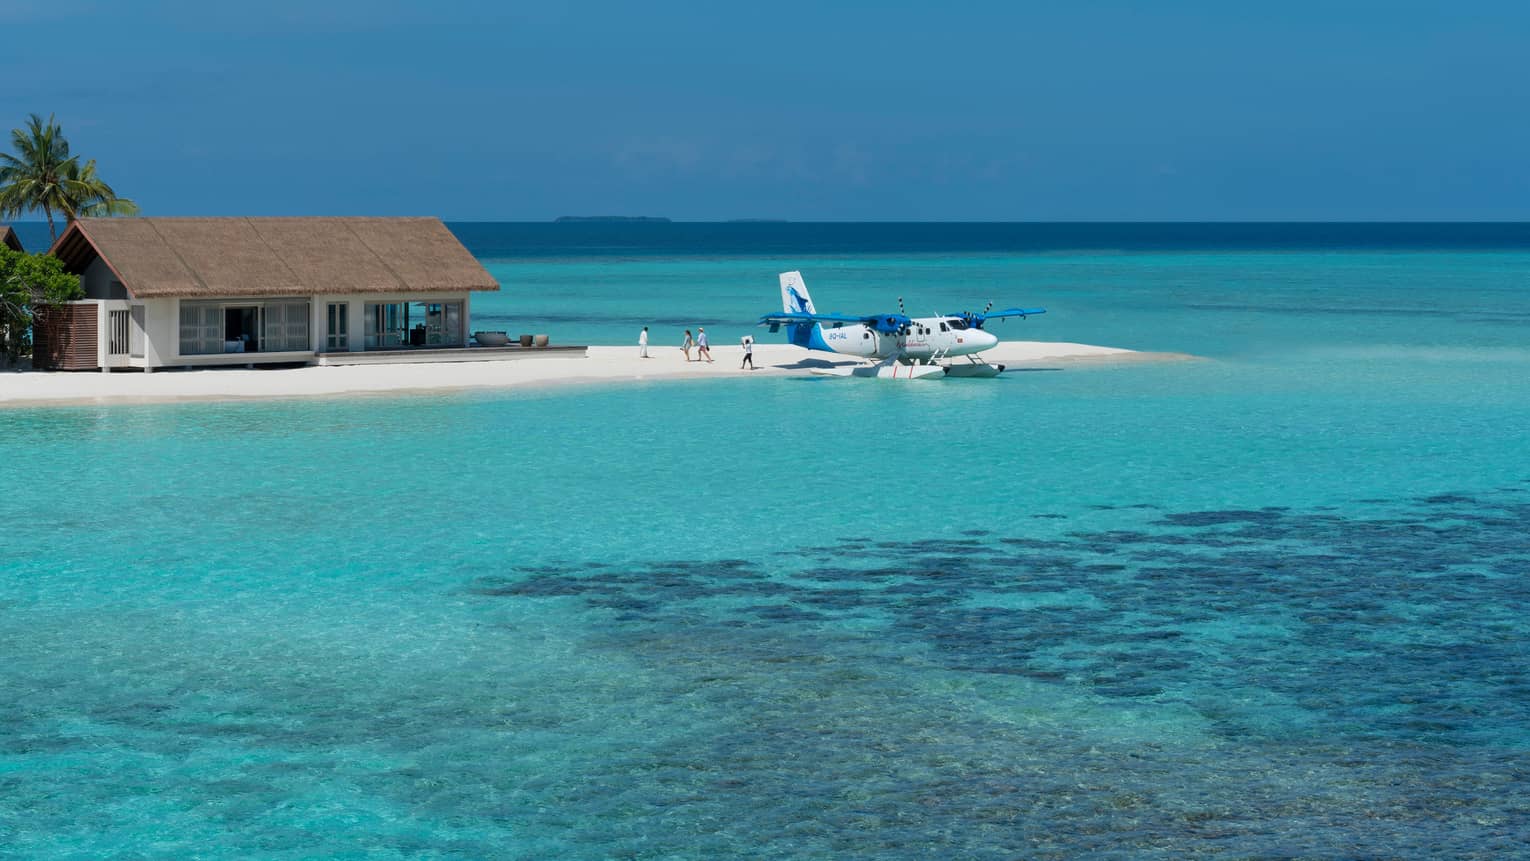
36, 177
43, 175
94, 197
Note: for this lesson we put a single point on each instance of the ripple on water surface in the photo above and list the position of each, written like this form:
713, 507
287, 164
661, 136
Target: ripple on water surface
1266, 682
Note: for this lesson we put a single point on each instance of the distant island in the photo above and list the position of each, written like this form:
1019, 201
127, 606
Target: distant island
758, 221
582, 218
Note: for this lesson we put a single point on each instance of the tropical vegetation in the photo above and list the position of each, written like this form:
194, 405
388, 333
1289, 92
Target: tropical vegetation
27, 282
41, 176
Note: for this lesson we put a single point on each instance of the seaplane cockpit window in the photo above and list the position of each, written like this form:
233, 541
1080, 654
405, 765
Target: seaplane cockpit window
942, 326
958, 325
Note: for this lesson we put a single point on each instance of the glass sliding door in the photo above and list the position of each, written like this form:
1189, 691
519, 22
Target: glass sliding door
454, 324
207, 328
386, 325
201, 328
435, 323
443, 324
397, 325
286, 328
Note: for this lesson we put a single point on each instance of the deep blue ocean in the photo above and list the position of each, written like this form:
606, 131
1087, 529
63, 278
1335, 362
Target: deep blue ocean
1272, 602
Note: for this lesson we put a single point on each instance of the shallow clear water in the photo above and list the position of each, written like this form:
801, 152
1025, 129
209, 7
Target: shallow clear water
1272, 603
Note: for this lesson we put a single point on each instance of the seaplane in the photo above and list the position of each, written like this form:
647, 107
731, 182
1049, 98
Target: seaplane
894, 346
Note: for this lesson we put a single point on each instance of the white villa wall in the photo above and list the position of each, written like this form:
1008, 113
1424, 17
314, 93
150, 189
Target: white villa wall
104, 357
161, 335
162, 330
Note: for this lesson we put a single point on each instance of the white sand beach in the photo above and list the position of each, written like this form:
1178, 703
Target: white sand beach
598, 365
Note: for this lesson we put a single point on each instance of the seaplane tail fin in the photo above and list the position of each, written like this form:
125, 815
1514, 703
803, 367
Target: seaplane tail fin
794, 294
795, 300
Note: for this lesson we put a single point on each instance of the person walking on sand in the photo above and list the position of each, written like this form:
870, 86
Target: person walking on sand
687, 344
643, 343
748, 353
702, 348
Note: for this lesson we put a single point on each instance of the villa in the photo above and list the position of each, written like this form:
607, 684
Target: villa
9, 239
169, 292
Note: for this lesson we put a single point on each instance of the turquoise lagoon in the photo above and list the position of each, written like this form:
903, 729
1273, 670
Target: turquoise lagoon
1271, 602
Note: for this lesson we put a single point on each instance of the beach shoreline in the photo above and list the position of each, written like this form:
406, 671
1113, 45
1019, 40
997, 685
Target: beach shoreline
600, 364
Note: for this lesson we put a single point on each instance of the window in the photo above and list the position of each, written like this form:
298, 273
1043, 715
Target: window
337, 338
958, 325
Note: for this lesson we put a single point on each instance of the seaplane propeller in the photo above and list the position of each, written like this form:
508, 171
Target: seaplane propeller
891, 324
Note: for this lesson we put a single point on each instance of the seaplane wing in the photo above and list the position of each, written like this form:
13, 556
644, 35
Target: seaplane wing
880, 322
976, 321
803, 317
1012, 312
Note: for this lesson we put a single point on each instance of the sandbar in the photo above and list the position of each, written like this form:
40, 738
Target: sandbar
598, 365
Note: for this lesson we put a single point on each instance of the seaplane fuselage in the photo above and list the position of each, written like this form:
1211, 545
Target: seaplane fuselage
921, 339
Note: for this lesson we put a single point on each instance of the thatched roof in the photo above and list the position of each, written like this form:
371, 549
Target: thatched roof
9, 239
248, 257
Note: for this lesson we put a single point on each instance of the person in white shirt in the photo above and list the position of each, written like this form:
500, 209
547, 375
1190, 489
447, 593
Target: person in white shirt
702, 347
748, 353
643, 343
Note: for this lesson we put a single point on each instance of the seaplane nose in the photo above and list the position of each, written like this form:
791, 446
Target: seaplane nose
985, 340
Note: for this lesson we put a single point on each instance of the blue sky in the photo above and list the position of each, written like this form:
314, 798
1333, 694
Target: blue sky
827, 111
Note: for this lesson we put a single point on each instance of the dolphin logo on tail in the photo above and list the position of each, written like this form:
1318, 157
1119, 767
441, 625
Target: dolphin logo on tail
795, 300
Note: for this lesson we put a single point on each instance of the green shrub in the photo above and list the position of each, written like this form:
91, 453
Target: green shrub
28, 281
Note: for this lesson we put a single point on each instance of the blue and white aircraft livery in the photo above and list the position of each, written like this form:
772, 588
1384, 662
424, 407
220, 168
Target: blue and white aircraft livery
899, 346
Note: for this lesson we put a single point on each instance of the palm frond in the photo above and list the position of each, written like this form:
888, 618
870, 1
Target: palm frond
43, 175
